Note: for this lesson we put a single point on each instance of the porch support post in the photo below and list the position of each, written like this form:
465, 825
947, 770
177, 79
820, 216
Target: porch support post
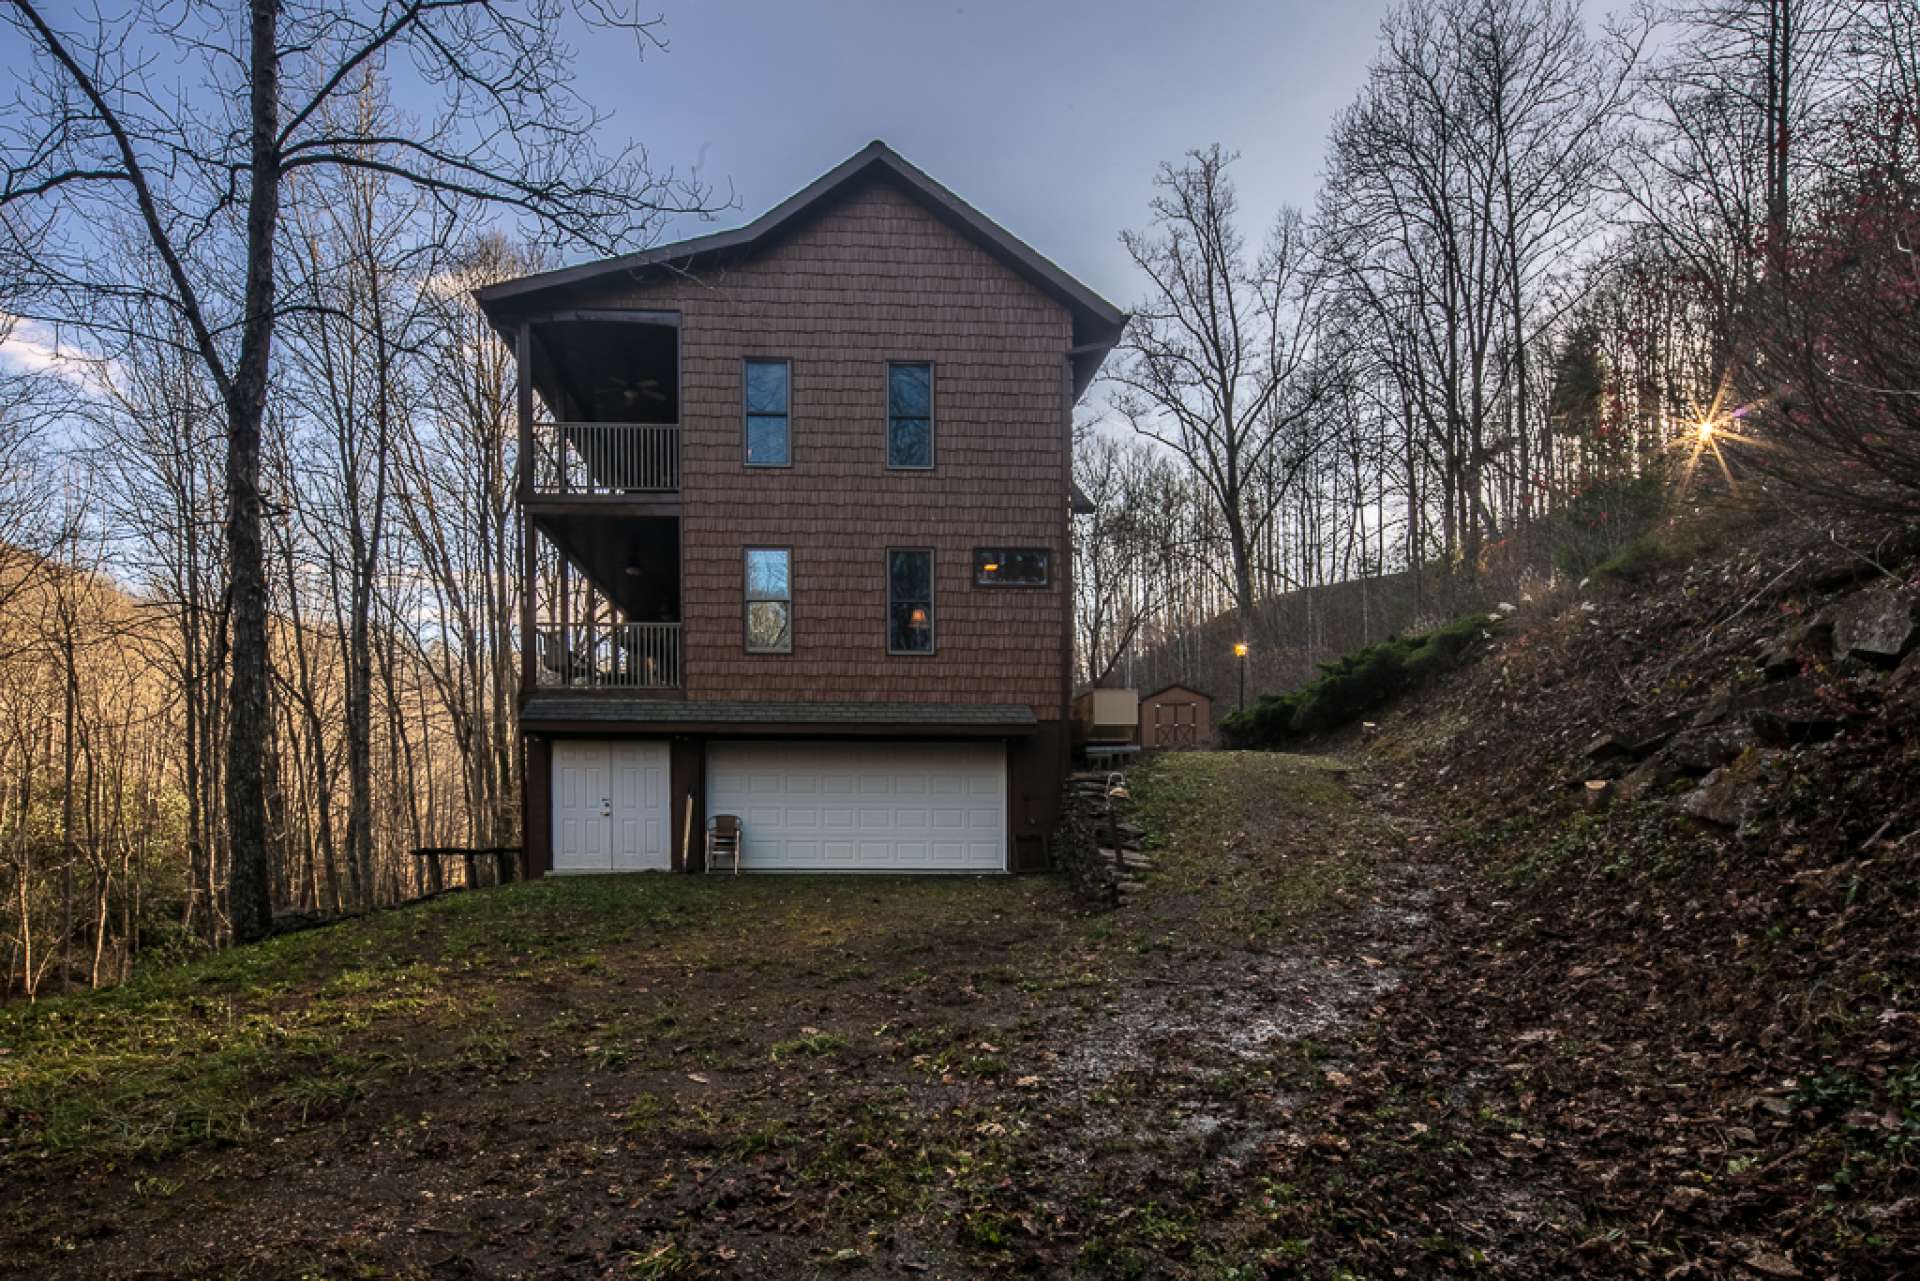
523, 410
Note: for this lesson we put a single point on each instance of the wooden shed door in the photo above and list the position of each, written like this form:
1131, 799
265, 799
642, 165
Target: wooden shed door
1173, 724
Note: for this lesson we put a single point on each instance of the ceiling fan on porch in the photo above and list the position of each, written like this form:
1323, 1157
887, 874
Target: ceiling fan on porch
618, 393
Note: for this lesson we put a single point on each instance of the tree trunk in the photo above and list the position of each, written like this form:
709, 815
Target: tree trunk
249, 898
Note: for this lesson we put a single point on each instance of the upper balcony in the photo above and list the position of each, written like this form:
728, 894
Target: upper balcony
600, 409
605, 460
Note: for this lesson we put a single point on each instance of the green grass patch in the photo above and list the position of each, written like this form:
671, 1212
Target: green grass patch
808, 1045
1221, 828
204, 1053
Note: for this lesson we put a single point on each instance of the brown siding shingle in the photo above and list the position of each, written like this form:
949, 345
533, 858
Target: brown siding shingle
876, 279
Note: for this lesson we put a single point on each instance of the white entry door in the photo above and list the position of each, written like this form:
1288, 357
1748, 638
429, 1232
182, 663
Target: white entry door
610, 806
864, 807
639, 810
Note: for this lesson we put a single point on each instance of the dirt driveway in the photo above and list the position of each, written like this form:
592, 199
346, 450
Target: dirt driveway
662, 1077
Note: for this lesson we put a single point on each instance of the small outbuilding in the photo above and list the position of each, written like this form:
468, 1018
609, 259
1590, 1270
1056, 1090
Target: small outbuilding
1176, 716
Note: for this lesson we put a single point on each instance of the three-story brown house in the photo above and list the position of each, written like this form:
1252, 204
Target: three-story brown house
797, 501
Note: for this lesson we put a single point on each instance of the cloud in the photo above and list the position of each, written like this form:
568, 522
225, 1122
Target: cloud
32, 347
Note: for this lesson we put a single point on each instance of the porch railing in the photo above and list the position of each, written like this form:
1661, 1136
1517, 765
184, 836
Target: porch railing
605, 459
608, 656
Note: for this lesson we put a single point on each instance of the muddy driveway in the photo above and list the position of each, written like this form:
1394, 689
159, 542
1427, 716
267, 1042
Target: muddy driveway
654, 1079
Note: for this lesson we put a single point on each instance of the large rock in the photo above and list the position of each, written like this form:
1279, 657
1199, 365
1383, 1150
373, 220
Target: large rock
1701, 751
1717, 800
1608, 747
1634, 742
1809, 642
1876, 626
1731, 796
1650, 779
1795, 728
1761, 698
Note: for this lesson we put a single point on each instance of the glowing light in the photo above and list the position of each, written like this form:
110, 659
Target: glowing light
1240, 649
918, 618
990, 566
1709, 429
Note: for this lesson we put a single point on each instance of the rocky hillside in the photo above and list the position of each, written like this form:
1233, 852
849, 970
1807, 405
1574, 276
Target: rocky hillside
1675, 995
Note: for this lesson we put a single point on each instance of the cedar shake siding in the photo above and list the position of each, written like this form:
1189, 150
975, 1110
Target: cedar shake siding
875, 279
642, 704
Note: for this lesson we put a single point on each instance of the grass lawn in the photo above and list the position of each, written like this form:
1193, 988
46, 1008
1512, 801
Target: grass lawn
661, 1076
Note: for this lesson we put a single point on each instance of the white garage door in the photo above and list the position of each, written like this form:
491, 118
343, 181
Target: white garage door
864, 807
610, 806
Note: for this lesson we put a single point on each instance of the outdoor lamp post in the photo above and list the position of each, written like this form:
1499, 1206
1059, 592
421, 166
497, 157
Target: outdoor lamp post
1240, 652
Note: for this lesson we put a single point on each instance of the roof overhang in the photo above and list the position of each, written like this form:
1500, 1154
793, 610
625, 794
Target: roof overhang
607, 713
1097, 323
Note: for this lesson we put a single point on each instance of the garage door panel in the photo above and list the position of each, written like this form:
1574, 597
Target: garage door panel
864, 807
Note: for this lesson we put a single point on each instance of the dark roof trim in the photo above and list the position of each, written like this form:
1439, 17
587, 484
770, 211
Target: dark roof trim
1078, 500
1097, 322
1176, 685
887, 730
550, 713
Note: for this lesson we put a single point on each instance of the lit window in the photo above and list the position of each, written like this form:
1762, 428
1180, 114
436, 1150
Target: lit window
1011, 566
768, 443
910, 415
769, 601
909, 600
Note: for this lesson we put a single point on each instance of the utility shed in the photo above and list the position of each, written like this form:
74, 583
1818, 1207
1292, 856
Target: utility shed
1176, 716
1104, 717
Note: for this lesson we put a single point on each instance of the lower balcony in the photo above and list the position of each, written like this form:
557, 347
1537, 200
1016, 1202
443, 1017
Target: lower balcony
607, 656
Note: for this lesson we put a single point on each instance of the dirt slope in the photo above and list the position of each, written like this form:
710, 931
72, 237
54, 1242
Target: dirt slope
1670, 1024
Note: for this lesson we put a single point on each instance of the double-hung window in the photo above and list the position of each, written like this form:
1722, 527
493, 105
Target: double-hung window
769, 425
910, 600
769, 620
909, 414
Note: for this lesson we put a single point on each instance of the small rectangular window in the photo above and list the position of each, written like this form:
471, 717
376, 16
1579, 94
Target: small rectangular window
768, 435
910, 415
909, 600
1010, 566
769, 601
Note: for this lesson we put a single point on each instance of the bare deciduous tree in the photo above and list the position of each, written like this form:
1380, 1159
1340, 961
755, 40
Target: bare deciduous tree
1219, 363
95, 146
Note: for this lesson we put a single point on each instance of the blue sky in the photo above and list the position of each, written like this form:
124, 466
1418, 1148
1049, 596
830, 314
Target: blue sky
1050, 116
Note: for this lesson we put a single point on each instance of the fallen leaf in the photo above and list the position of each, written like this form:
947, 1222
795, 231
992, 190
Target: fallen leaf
1772, 1265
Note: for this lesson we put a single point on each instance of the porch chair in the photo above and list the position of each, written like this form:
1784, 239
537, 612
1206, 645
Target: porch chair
724, 835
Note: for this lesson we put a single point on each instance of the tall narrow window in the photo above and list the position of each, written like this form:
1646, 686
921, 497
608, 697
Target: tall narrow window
910, 415
769, 601
909, 600
768, 429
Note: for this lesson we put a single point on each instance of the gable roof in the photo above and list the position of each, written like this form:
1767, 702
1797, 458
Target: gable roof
1097, 323
1155, 693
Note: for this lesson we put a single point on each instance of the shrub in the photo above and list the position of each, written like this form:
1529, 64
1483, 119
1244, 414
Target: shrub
1352, 685
1593, 526
1636, 562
